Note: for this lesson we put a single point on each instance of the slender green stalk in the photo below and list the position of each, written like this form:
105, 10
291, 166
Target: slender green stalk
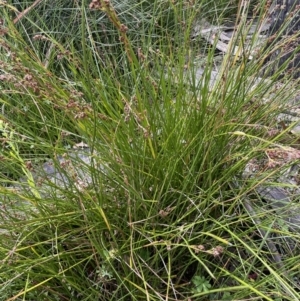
123, 170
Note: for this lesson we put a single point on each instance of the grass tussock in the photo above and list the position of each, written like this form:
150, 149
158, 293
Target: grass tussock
146, 200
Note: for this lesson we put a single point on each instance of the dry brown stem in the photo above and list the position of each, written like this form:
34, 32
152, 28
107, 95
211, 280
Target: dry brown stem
22, 14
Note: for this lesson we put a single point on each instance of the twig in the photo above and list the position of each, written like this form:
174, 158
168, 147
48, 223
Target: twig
22, 14
26, 11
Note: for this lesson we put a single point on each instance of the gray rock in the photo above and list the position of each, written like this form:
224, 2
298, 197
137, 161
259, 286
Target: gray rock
280, 189
285, 23
73, 170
